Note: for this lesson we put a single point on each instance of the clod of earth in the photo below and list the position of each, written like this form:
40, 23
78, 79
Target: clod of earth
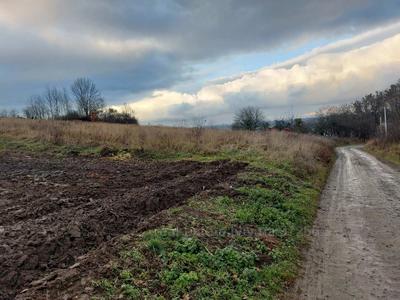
55, 210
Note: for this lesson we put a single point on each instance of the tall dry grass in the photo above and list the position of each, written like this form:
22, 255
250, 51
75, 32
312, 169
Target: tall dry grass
277, 145
386, 149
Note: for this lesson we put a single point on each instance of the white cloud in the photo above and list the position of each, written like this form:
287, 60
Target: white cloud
360, 40
323, 78
134, 47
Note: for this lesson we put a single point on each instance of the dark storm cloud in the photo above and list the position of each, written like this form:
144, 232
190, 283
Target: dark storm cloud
135, 46
203, 29
209, 27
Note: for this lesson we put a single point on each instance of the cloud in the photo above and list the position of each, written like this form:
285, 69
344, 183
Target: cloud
321, 79
130, 47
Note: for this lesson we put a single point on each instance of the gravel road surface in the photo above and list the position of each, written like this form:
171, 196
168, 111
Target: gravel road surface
355, 243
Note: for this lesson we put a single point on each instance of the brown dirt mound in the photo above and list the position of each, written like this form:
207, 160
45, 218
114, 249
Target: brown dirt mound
55, 210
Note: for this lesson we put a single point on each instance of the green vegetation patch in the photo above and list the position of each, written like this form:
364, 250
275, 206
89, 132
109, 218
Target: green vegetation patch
33, 146
243, 246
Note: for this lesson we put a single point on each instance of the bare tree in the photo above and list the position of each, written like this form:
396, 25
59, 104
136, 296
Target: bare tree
13, 113
51, 101
57, 102
364, 118
87, 96
66, 106
128, 110
249, 118
4, 113
37, 108
52, 104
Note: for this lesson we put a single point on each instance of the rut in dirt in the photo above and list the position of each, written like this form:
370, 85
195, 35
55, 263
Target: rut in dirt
355, 244
55, 210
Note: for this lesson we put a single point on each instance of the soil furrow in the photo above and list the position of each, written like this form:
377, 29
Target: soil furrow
46, 226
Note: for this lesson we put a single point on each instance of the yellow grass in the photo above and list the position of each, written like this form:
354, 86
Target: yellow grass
280, 146
389, 151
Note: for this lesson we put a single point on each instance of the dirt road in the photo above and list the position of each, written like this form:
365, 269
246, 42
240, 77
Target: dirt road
355, 248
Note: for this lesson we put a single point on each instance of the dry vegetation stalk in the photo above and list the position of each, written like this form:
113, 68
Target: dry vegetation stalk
276, 145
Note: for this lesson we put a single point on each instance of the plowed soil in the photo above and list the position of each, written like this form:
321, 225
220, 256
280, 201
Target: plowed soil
54, 210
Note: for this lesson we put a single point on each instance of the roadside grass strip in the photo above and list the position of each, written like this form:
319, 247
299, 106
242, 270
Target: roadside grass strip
243, 246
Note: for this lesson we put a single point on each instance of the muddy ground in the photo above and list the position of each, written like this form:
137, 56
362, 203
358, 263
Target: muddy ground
54, 210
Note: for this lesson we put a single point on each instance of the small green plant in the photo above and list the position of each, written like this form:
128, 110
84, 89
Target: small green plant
131, 292
105, 285
188, 245
184, 282
126, 275
159, 240
132, 254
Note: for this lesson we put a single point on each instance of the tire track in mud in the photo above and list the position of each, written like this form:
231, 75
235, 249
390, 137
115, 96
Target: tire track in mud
354, 251
54, 210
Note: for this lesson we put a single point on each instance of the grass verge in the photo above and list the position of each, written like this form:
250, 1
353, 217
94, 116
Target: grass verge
244, 245
385, 151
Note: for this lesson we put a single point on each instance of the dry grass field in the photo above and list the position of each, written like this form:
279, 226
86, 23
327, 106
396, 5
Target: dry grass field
280, 146
389, 151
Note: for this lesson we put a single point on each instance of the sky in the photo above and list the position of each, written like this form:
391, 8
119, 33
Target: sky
176, 61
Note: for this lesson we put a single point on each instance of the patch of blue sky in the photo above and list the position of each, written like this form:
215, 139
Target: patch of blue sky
233, 65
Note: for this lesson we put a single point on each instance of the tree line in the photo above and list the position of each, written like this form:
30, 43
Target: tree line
252, 118
364, 118
83, 102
